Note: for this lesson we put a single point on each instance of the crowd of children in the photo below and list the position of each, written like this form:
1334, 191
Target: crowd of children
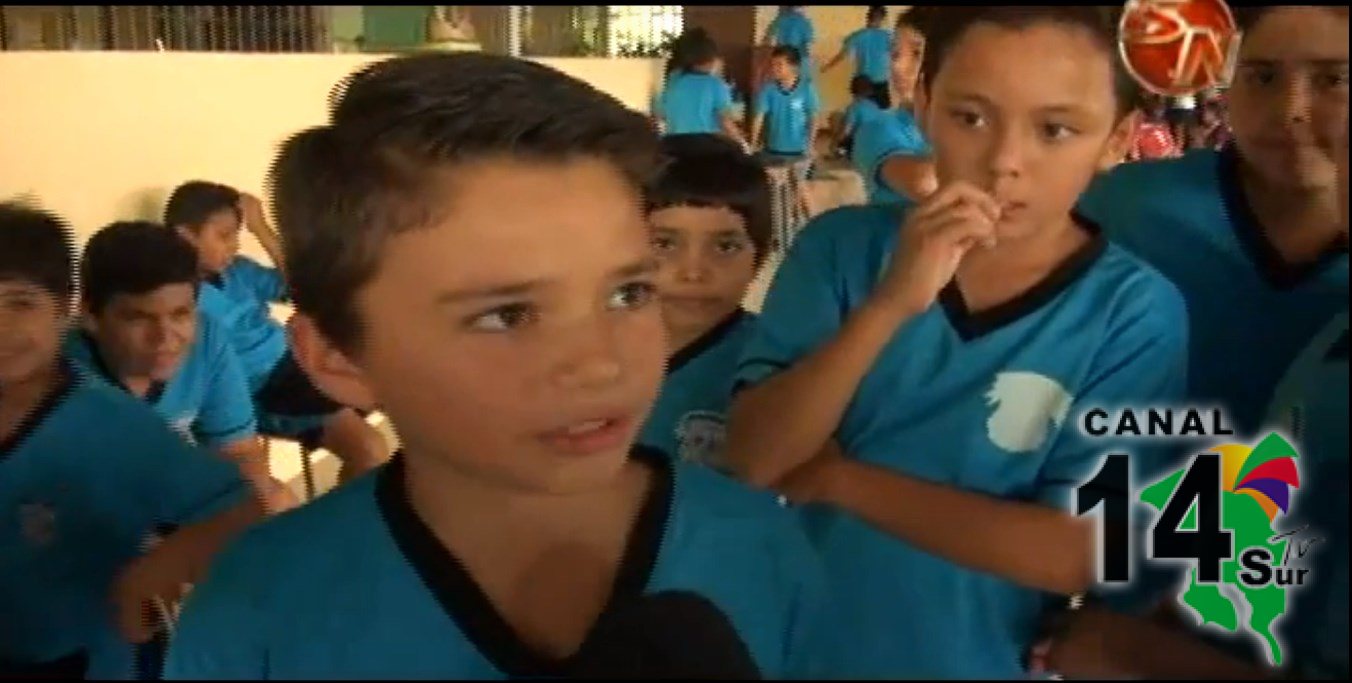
872, 478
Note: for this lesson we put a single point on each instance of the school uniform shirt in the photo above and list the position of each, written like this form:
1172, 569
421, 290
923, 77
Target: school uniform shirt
872, 50
207, 401
1250, 313
694, 102
1311, 405
986, 402
238, 297
793, 29
859, 112
355, 585
83, 482
789, 116
879, 138
688, 421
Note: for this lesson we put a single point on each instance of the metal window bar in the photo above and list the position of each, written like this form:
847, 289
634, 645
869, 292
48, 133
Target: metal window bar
215, 28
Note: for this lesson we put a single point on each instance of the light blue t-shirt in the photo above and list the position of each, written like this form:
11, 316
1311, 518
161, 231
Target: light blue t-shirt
238, 298
83, 483
987, 402
1311, 405
694, 102
879, 138
861, 110
355, 585
689, 418
872, 50
1250, 313
207, 401
789, 116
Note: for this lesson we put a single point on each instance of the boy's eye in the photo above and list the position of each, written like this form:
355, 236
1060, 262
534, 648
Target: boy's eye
664, 243
632, 295
503, 318
20, 304
1057, 132
1329, 80
967, 118
1260, 76
730, 246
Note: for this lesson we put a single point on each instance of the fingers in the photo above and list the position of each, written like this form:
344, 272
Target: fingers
964, 224
958, 194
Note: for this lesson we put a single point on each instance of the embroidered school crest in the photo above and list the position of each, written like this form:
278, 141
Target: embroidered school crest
700, 435
37, 524
1028, 407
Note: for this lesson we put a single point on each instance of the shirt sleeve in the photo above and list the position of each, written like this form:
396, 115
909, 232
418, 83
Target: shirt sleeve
184, 483
888, 136
851, 43
814, 102
266, 282
804, 307
723, 98
763, 99
228, 412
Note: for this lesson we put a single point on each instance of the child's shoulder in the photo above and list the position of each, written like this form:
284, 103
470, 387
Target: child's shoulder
93, 411
1140, 294
1161, 179
709, 499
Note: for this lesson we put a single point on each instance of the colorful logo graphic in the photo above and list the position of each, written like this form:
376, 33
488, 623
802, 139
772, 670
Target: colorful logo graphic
1178, 47
1218, 513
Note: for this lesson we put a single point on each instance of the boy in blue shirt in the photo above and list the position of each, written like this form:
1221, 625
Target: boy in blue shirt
861, 110
237, 291
891, 152
916, 377
709, 210
787, 109
1250, 233
517, 347
142, 333
791, 28
87, 473
694, 100
871, 48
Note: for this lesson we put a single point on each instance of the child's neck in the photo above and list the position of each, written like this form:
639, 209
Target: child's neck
546, 562
1300, 223
788, 83
19, 400
990, 277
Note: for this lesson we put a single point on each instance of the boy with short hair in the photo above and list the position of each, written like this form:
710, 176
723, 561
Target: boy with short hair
891, 152
791, 28
237, 291
859, 112
87, 473
694, 100
517, 348
787, 110
1250, 234
919, 389
709, 211
142, 333
871, 48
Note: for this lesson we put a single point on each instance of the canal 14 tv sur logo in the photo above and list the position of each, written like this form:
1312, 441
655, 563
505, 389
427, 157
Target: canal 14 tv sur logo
1217, 514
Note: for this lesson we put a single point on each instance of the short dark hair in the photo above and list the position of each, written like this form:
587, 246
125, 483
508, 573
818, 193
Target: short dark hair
1100, 21
344, 189
37, 247
876, 13
692, 49
131, 258
861, 86
193, 202
788, 52
708, 170
916, 18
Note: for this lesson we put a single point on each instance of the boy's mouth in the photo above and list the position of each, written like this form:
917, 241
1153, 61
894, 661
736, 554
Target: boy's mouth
589, 436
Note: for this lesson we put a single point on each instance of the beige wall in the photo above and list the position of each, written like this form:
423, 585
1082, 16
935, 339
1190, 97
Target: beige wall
831, 23
101, 136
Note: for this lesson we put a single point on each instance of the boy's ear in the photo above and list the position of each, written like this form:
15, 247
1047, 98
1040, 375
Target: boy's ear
1119, 141
922, 106
331, 370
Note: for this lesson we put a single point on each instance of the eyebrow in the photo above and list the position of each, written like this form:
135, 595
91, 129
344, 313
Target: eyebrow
984, 101
645, 266
1279, 62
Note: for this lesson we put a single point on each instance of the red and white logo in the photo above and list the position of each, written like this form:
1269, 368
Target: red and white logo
1178, 47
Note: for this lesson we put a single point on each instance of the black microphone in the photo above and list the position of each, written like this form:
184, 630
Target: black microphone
666, 635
